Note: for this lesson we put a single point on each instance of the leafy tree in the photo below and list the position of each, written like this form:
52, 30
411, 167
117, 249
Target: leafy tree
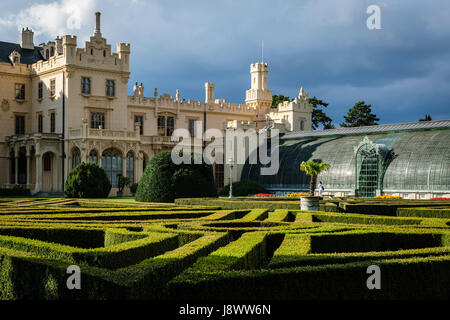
123, 182
360, 115
318, 115
313, 169
426, 118
87, 180
164, 181
277, 99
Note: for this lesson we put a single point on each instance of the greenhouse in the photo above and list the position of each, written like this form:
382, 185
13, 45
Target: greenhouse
411, 160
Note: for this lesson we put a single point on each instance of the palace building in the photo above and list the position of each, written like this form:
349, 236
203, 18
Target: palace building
62, 105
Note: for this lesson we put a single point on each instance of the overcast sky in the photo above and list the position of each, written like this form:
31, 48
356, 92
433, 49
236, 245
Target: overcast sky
403, 69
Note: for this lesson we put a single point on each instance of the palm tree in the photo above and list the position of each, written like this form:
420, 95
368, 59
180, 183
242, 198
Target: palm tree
312, 168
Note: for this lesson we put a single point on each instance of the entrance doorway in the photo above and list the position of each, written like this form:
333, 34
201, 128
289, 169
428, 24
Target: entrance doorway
48, 161
22, 169
367, 171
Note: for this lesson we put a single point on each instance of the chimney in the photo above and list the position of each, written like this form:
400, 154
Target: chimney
26, 39
59, 46
209, 92
97, 23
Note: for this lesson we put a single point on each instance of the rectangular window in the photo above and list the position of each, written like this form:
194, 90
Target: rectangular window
130, 167
192, 124
110, 88
161, 125
52, 88
140, 120
20, 91
52, 122
170, 126
20, 124
40, 123
40, 90
219, 175
85, 85
97, 120
166, 126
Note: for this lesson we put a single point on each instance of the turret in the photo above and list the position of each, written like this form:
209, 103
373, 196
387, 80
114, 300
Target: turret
258, 72
69, 44
123, 49
259, 96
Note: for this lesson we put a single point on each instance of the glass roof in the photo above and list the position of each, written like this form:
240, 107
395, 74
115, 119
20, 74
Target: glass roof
421, 157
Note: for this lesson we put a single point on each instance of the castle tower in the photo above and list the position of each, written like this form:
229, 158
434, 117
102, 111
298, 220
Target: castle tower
259, 96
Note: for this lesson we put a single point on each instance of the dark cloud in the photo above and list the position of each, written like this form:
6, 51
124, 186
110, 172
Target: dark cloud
403, 70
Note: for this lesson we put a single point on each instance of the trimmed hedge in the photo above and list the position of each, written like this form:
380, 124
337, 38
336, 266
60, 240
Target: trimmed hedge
425, 212
243, 188
340, 281
87, 180
15, 192
163, 181
154, 252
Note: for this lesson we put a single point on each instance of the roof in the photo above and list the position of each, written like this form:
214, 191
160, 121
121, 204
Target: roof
27, 56
371, 129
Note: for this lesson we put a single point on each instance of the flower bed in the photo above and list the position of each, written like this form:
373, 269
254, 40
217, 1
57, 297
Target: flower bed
385, 196
298, 195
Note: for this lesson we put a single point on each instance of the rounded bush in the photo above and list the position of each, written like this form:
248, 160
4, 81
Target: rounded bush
164, 181
87, 180
243, 188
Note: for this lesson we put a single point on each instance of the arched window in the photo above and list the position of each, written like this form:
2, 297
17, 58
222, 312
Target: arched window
47, 54
112, 164
302, 125
52, 51
130, 166
76, 157
93, 156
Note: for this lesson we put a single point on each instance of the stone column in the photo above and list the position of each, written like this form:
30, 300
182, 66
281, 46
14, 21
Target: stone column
124, 166
59, 183
28, 167
9, 169
38, 184
99, 160
16, 159
138, 166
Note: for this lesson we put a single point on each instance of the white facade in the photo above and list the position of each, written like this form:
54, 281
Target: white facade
76, 108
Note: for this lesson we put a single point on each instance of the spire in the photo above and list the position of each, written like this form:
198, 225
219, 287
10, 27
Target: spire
262, 51
303, 94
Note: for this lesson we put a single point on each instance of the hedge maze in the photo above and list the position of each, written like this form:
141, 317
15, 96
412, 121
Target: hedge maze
128, 250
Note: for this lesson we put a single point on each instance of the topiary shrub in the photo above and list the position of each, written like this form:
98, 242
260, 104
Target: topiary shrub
243, 188
87, 180
164, 181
